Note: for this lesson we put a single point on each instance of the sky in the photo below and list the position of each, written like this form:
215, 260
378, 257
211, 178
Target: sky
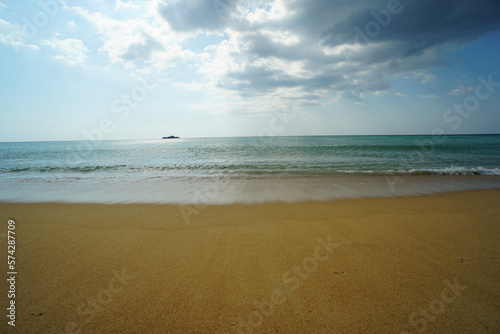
106, 70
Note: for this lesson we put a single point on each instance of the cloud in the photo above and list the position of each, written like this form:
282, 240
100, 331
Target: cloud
126, 5
423, 77
430, 96
70, 50
12, 36
416, 26
310, 48
460, 90
16, 43
399, 94
312, 52
193, 15
143, 49
192, 86
144, 40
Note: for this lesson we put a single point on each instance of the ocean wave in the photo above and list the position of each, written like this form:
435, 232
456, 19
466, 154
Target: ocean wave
451, 171
245, 170
44, 169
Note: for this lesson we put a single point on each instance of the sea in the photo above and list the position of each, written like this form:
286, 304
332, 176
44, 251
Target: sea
201, 171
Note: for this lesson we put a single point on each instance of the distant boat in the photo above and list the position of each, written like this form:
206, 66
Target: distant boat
170, 137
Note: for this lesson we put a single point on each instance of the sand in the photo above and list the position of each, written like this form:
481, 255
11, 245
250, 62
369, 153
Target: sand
378, 265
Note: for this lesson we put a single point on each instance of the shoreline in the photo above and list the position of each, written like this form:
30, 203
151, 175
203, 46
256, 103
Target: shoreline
377, 265
217, 191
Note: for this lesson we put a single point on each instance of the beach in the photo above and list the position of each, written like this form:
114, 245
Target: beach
249, 167
426, 264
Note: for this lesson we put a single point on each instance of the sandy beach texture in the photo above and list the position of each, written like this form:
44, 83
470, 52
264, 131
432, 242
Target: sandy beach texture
425, 264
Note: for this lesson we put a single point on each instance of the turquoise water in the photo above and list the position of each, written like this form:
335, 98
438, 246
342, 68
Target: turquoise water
242, 169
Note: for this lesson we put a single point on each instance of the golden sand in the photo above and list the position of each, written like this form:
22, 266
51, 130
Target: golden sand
416, 264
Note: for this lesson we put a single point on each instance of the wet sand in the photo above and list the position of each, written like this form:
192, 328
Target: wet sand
376, 265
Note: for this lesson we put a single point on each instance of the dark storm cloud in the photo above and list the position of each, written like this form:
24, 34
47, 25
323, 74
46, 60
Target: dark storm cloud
374, 39
418, 25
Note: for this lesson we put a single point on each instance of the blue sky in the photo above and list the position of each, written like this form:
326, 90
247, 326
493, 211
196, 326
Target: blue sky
73, 70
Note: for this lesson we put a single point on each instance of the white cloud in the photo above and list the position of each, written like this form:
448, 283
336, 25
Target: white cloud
430, 96
2, 6
70, 50
460, 90
275, 12
380, 93
399, 94
192, 86
12, 36
16, 43
423, 77
134, 41
358, 96
220, 59
281, 37
126, 5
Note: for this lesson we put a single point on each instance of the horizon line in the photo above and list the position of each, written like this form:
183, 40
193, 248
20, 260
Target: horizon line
288, 136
